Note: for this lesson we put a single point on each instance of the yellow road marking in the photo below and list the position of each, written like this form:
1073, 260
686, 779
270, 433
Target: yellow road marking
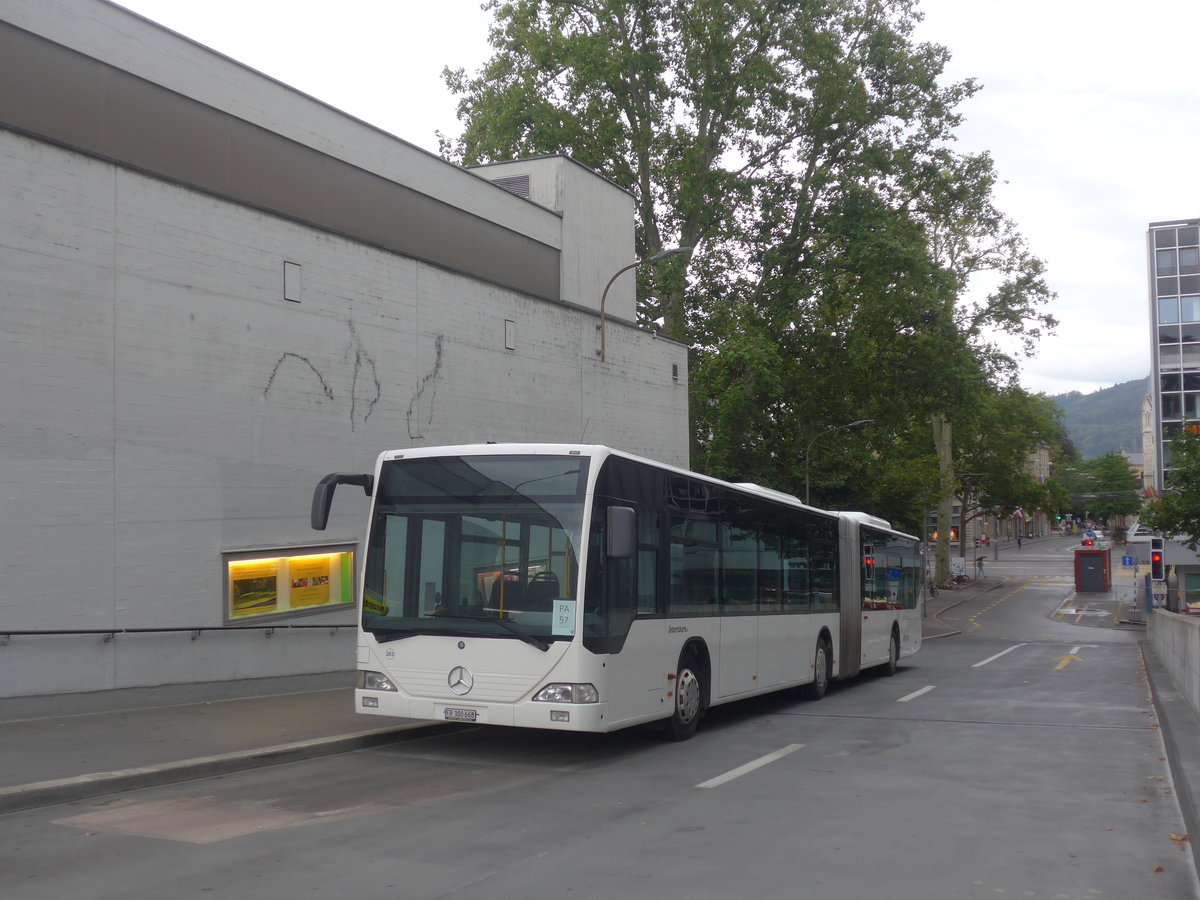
1063, 660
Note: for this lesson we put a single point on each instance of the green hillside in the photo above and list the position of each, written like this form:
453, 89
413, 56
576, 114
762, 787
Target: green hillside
1106, 421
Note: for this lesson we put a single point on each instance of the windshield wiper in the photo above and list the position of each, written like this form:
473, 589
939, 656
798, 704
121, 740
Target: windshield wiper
507, 626
384, 636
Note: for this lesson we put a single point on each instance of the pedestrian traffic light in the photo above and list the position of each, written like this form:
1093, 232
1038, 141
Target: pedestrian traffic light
1157, 569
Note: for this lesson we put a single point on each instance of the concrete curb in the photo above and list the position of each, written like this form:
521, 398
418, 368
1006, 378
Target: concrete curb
1180, 731
96, 784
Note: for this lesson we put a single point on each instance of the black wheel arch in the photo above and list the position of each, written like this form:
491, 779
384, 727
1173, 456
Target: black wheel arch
696, 648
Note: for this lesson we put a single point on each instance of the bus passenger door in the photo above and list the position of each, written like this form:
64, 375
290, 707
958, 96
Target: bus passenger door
876, 611
737, 663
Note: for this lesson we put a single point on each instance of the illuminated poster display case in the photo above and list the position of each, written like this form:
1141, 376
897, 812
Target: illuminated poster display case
268, 584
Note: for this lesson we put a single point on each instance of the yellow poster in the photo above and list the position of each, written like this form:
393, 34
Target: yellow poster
310, 580
253, 587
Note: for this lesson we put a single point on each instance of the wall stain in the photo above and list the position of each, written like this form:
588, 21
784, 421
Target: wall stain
304, 359
429, 382
364, 373
365, 388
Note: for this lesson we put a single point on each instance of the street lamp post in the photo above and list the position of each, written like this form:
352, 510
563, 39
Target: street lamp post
657, 257
808, 451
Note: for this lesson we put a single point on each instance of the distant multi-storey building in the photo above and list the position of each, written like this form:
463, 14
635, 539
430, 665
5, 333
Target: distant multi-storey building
1174, 264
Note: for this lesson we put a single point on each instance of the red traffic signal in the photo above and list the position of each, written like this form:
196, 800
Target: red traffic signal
1088, 542
1157, 568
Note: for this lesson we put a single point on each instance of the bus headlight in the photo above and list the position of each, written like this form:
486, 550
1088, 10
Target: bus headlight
568, 693
375, 681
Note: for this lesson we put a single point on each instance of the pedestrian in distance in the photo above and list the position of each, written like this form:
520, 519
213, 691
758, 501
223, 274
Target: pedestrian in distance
1018, 542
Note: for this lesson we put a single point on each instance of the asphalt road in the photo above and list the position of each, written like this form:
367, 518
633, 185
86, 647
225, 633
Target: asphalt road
1021, 758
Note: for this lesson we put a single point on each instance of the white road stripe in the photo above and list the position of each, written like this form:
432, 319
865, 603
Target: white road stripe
750, 766
984, 662
915, 694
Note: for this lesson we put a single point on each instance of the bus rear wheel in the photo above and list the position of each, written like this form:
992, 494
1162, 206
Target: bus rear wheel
689, 700
822, 671
893, 661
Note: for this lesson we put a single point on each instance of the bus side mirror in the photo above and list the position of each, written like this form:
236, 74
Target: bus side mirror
323, 495
622, 532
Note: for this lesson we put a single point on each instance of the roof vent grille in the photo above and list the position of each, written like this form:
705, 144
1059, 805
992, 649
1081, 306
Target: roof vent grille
515, 184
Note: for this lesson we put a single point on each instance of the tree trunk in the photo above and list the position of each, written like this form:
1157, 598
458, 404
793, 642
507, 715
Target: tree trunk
941, 441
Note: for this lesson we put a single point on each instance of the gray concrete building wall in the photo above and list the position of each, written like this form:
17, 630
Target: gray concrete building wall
186, 348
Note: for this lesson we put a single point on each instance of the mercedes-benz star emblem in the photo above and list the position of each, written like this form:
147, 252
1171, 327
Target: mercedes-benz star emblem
461, 680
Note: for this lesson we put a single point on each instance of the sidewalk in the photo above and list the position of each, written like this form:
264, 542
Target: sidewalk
69, 747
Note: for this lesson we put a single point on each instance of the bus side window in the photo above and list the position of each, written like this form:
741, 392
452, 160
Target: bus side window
647, 562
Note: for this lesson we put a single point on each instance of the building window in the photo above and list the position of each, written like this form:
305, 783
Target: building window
291, 282
1189, 260
1168, 310
1164, 237
1189, 236
1168, 357
296, 581
1164, 263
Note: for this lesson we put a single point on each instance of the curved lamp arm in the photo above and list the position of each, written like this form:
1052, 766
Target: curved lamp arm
664, 254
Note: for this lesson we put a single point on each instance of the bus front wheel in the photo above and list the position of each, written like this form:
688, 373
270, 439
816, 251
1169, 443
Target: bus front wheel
689, 700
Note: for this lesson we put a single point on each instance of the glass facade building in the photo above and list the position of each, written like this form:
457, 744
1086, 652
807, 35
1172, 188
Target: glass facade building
1174, 271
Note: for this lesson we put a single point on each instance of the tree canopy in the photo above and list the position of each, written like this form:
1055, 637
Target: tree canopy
805, 150
1176, 513
1102, 488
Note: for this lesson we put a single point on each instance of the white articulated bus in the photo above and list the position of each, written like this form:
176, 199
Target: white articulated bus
580, 588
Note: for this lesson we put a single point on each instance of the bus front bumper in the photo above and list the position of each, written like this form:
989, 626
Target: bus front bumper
527, 714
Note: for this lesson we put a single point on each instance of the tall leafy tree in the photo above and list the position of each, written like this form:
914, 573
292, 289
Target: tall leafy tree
1177, 512
804, 146
1103, 487
730, 121
996, 440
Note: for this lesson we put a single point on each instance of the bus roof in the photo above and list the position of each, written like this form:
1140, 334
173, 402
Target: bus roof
599, 451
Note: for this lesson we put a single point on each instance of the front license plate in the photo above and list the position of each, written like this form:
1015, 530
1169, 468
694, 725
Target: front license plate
459, 715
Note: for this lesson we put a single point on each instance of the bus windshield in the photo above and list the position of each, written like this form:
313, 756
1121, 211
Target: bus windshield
475, 545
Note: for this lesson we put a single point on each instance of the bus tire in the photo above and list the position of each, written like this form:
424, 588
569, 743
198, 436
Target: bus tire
893, 661
822, 671
689, 699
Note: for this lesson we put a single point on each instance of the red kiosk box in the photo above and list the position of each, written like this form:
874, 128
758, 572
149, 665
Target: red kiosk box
1093, 571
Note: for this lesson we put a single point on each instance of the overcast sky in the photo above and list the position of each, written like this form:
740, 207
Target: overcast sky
1089, 110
